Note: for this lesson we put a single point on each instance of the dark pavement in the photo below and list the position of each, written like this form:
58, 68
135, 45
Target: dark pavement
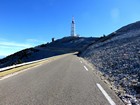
64, 81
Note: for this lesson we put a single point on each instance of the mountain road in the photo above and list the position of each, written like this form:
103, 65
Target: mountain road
65, 81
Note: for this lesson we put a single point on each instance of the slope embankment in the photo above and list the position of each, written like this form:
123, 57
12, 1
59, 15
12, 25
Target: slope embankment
117, 56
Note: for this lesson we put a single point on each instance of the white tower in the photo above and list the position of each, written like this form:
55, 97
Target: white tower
73, 28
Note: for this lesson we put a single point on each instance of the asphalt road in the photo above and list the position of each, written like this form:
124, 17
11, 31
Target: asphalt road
65, 81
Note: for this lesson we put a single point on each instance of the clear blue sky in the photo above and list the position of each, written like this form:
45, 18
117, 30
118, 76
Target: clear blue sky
27, 23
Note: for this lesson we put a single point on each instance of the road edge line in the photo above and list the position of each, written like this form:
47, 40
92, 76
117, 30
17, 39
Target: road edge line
86, 68
105, 94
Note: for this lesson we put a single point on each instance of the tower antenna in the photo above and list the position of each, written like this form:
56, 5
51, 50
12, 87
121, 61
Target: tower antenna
73, 28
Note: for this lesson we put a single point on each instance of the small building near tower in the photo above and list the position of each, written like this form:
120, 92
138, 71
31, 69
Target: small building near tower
53, 39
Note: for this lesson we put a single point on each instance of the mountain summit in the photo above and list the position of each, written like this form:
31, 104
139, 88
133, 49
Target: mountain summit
60, 46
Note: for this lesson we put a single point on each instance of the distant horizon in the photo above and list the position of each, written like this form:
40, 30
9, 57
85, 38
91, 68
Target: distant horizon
28, 23
3, 56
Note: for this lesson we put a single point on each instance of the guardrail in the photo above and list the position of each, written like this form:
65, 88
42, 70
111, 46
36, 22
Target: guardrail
18, 65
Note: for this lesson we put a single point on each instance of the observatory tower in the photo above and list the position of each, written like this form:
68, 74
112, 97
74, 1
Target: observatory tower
73, 28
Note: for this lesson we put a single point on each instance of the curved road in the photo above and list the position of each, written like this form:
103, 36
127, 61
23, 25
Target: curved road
65, 81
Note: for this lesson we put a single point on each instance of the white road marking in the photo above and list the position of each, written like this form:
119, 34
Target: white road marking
105, 94
10, 75
16, 73
86, 68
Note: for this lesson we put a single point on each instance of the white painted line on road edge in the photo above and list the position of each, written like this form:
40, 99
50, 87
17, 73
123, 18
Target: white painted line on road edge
16, 73
86, 68
105, 94
10, 75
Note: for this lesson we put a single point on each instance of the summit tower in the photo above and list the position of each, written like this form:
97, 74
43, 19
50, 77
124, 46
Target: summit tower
73, 27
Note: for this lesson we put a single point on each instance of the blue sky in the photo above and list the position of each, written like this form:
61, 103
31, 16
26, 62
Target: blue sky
27, 23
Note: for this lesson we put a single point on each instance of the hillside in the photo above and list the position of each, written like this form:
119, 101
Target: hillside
117, 56
60, 46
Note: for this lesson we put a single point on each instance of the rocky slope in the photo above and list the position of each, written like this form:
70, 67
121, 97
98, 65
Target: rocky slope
117, 56
60, 46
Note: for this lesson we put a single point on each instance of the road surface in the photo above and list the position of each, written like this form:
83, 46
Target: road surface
65, 81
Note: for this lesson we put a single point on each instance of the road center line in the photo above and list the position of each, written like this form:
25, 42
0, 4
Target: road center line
105, 94
86, 68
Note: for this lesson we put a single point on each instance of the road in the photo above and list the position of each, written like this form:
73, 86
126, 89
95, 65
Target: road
65, 81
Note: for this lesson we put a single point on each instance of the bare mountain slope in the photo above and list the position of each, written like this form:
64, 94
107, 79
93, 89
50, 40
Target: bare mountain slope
117, 56
60, 46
